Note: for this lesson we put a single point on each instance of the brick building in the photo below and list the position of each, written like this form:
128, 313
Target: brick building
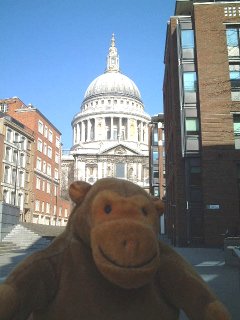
157, 161
156, 156
202, 122
49, 207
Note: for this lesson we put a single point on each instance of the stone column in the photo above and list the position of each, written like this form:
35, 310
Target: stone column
111, 129
80, 131
139, 172
145, 132
88, 129
74, 134
141, 134
119, 128
99, 169
83, 131
78, 134
96, 134
128, 129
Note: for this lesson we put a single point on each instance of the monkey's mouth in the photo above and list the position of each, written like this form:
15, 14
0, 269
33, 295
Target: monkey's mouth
135, 266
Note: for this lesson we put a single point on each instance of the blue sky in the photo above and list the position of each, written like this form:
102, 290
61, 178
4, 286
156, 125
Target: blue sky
52, 49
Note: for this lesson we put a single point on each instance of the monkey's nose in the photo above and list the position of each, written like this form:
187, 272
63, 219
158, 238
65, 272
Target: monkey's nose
130, 246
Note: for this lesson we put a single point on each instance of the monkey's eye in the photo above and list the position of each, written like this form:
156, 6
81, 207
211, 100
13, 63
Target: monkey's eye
144, 211
107, 208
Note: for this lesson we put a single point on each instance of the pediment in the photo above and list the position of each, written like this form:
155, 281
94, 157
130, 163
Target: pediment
120, 150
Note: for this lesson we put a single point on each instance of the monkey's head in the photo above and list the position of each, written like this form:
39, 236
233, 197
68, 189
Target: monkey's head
119, 221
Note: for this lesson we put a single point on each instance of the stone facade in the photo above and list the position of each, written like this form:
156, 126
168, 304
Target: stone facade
110, 133
16, 165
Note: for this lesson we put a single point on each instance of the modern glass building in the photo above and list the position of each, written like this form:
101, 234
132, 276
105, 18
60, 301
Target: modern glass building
202, 122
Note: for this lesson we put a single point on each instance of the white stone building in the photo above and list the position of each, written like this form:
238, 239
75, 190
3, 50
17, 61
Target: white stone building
110, 133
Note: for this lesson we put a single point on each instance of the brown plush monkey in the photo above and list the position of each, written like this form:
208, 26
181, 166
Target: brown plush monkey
108, 265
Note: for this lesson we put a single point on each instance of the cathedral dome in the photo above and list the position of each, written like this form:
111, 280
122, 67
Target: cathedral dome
112, 82
111, 114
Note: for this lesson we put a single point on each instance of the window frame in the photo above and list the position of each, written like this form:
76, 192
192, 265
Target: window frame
183, 39
40, 126
190, 85
39, 145
236, 130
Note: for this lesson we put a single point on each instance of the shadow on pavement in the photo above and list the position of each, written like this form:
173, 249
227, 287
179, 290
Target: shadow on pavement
223, 279
10, 259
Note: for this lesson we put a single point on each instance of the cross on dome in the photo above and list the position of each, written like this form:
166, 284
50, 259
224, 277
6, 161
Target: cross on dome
112, 58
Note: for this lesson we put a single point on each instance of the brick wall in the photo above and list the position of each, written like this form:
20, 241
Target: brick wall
50, 139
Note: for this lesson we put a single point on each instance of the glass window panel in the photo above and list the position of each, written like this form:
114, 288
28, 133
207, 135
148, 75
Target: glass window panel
155, 155
236, 125
234, 70
233, 42
187, 37
155, 136
9, 135
189, 81
192, 124
234, 75
156, 174
232, 37
156, 192
192, 143
8, 154
195, 169
16, 138
237, 141
14, 175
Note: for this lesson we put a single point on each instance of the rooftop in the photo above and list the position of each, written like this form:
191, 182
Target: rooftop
184, 7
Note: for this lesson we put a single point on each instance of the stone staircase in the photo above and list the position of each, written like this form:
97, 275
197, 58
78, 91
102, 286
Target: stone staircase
22, 238
6, 247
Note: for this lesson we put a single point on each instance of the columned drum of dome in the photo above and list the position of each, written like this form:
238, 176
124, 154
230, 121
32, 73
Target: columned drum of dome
110, 133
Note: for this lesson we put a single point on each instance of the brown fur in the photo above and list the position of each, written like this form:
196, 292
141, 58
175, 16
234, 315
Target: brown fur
108, 265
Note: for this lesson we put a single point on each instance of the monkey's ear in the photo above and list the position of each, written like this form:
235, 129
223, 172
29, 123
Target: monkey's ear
78, 191
159, 205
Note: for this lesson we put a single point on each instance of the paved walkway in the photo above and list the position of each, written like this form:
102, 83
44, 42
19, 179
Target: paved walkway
223, 279
10, 259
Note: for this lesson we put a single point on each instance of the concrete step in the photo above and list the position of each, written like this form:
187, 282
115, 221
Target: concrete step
25, 238
8, 247
44, 230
